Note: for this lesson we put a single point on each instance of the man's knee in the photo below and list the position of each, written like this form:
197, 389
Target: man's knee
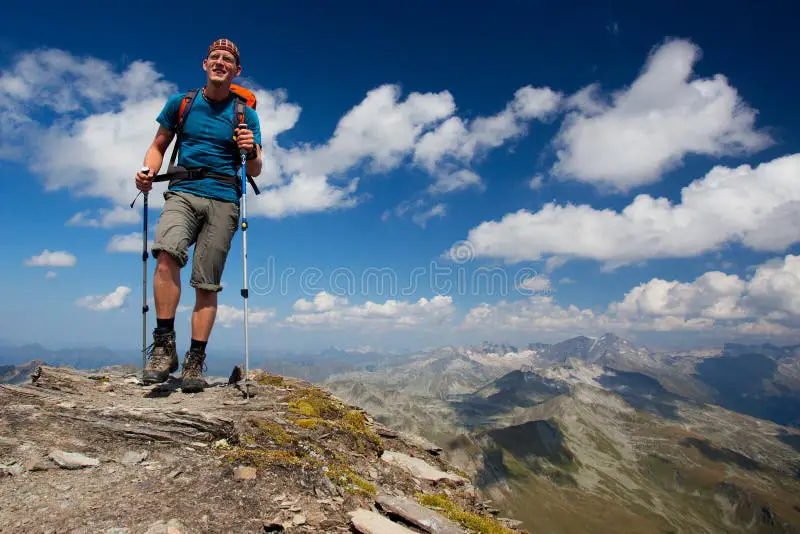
166, 263
206, 297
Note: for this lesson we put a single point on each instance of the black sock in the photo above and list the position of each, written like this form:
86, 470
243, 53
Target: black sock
198, 346
165, 324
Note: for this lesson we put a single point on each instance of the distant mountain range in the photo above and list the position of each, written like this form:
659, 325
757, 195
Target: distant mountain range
593, 433
308, 366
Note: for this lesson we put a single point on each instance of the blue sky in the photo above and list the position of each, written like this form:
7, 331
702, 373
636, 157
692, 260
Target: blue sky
537, 171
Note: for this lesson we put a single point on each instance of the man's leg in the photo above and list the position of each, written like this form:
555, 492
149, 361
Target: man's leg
205, 311
210, 254
166, 289
175, 232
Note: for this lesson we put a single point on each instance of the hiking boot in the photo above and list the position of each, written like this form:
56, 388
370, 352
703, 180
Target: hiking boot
163, 358
192, 374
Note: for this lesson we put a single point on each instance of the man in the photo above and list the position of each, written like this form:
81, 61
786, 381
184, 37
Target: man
203, 211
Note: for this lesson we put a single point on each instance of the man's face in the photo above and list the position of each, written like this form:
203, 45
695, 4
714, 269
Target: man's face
221, 67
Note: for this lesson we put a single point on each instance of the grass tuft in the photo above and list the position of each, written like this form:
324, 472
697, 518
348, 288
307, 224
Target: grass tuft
469, 520
272, 431
265, 379
341, 475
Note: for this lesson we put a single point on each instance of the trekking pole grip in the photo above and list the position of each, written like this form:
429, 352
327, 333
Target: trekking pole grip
241, 126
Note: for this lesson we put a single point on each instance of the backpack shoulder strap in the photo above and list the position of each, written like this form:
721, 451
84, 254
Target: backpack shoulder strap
238, 110
186, 106
239, 105
183, 112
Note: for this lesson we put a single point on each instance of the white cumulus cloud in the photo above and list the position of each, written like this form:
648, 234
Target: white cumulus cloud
765, 304
228, 316
714, 294
642, 131
105, 217
536, 284
421, 218
758, 207
52, 258
127, 243
446, 151
331, 311
770, 298
112, 301
538, 313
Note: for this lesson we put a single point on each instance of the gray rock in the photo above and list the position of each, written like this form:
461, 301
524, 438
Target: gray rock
13, 469
244, 473
173, 526
10, 442
133, 457
370, 522
38, 464
22, 408
422, 443
510, 523
72, 460
385, 431
418, 515
420, 468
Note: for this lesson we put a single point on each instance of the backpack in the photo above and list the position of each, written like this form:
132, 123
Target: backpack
243, 97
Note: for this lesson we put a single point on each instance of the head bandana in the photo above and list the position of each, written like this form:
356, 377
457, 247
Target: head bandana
224, 44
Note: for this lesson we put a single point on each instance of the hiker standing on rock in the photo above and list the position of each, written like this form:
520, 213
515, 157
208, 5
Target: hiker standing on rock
201, 206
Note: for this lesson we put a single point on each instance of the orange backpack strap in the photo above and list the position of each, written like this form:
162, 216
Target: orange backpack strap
248, 95
186, 106
244, 98
183, 112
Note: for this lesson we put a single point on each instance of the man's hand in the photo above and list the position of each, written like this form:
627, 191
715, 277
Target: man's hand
244, 138
144, 181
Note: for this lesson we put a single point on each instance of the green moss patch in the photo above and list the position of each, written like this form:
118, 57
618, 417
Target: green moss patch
342, 475
469, 520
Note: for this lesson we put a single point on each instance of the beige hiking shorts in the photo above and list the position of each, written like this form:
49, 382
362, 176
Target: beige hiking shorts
208, 224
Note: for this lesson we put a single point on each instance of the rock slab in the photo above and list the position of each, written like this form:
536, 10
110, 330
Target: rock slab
418, 515
420, 468
173, 526
370, 522
72, 460
133, 457
422, 443
244, 473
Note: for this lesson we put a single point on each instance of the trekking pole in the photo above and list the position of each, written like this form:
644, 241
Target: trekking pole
243, 154
145, 307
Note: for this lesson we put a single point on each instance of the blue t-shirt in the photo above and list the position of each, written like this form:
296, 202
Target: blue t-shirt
208, 142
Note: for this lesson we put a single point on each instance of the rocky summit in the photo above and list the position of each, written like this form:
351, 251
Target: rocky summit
86, 452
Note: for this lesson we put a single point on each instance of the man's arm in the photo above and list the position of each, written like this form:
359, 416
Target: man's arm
254, 165
154, 157
155, 154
